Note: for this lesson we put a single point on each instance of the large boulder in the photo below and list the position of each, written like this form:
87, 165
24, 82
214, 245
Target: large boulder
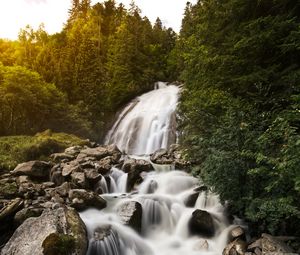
10, 209
82, 199
201, 223
237, 232
130, 213
35, 169
101, 152
271, 244
49, 234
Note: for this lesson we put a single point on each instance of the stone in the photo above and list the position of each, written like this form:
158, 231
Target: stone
35, 234
56, 175
191, 199
237, 232
104, 165
74, 150
101, 232
35, 169
97, 153
237, 247
272, 244
11, 208
255, 244
9, 188
82, 199
201, 223
133, 178
62, 157
70, 168
79, 180
26, 213
130, 214
93, 176
158, 154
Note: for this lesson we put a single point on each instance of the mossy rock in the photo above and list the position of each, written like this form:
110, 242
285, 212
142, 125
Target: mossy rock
58, 244
8, 189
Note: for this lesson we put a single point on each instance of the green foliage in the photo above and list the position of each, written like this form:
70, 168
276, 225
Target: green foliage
240, 114
17, 149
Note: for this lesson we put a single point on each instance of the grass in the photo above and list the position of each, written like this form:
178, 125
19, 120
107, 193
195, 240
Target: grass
17, 149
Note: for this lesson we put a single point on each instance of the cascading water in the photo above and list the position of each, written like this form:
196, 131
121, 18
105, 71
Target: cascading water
145, 125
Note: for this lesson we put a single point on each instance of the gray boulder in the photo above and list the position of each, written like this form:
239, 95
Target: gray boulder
49, 234
130, 214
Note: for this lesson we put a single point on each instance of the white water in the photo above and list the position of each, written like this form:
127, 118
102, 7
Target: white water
162, 193
145, 125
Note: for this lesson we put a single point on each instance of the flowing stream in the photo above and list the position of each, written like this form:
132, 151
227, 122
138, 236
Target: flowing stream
145, 125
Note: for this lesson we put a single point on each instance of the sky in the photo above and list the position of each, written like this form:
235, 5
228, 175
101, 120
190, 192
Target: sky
16, 14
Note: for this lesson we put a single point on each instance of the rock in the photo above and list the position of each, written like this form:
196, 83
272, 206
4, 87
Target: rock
190, 201
133, 178
237, 247
201, 245
50, 234
131, 214
92, 176
11, 208
73, 151
104, 165
158, 154
56, 175
70, 168
26, 213
82, 199
62, 190
257, 251
114, 152
79, 180
101, 232
255, 244
62, 157
97, 153
201, 223
272, 244
140, 164
35, 169
237, 232
9, 188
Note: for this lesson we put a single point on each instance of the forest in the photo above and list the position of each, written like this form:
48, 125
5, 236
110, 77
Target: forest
239, 112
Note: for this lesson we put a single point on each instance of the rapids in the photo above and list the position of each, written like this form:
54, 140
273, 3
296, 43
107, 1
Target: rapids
145, 125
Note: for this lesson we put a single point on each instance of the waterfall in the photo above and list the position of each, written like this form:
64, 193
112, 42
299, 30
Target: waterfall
145, 125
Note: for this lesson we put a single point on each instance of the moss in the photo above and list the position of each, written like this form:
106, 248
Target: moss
8, 189
58, 244
17, 149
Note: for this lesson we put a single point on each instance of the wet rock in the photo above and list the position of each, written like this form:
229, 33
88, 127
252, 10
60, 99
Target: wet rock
82, 199
97, 153
131, 164
26, 213
92, 176
237, 247
158, 155
201, 245
131, 214
190, 201
133, 178
255, 244
35, 169
114, 152
35, 235
201, 223
237, 232
104, 165
101, 232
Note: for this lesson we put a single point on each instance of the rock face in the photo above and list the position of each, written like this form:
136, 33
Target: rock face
60, 225
131, 214
35, 169
202, 223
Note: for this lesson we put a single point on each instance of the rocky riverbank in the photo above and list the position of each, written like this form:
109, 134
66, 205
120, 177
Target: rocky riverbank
40, 201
